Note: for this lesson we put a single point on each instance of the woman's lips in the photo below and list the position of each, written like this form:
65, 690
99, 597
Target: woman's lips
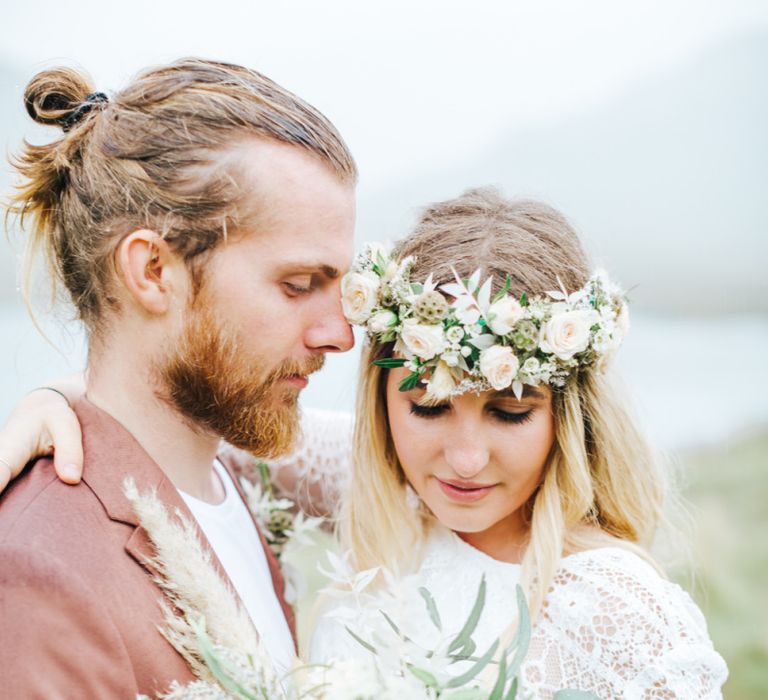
464, 491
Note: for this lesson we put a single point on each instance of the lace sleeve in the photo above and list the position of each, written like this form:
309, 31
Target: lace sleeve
613, 626
316, 473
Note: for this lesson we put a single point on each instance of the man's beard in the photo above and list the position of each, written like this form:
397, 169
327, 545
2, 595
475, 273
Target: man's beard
212, 381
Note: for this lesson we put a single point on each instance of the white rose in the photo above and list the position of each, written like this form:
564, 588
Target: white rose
359, 294
504, 314
499, 366
382, 321
567, 333
441, 384
424, 341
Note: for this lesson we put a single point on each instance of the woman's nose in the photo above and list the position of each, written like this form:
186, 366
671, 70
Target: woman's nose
467, 458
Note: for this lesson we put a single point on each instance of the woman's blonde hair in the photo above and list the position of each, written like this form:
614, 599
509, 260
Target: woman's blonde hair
601, 484
149, 157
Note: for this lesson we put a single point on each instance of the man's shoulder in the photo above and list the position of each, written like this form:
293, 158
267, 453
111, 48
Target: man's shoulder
38, 502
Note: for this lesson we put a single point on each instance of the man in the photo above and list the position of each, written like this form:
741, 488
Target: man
200, 221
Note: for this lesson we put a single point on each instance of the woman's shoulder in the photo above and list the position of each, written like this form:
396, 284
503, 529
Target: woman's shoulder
615, 606
618, 578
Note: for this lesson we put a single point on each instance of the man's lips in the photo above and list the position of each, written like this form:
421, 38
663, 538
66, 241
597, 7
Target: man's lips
464, 491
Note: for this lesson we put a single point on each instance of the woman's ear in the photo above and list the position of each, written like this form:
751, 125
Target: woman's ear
151, 271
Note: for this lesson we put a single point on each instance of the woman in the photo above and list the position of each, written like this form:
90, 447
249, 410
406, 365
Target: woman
491, 441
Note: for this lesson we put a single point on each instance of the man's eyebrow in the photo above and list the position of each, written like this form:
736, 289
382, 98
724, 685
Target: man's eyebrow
300, 266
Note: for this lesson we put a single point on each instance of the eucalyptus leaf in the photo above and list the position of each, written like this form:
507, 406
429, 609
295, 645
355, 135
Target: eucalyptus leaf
361, 641
512, 692
471, 624
424, 676
463, 694
479, 665
434, 615
523, 635
501, 680
220, 671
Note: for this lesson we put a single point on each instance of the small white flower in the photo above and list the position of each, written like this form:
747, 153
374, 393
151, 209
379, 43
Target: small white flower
382, 320
504, 314
499, 366
454, 334
424, 341
567, 333
451, 358
359, 294
442, 383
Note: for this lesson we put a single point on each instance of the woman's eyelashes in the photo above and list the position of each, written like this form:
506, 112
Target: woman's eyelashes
495, 412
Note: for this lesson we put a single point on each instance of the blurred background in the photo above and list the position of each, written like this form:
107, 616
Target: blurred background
644, 122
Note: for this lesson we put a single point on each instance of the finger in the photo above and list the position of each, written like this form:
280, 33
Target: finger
13, 455
64, 430
5, 474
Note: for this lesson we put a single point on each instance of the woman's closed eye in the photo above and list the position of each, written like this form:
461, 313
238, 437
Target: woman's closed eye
499, 414
429, 411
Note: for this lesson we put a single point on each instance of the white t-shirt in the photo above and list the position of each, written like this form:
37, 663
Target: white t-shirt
233, 537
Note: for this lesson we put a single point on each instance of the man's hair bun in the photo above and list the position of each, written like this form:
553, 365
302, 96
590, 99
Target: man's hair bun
53, 96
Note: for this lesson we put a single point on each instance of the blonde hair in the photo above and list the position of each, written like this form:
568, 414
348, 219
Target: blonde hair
601, 485
147, 158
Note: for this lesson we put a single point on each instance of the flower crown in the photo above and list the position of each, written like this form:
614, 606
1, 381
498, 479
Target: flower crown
475, 342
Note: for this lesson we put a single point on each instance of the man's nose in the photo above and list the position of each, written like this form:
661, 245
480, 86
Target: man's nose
331, 332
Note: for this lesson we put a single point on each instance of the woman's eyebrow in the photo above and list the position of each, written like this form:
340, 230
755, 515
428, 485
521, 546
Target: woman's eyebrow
529, 392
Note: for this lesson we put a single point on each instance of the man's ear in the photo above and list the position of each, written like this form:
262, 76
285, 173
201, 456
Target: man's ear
151, 271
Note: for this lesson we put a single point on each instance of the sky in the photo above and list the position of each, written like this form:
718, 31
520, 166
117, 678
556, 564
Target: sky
407, 82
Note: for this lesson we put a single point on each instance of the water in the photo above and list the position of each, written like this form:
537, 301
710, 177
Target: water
695, 381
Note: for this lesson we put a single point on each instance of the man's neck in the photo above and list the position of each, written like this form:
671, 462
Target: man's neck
183, 452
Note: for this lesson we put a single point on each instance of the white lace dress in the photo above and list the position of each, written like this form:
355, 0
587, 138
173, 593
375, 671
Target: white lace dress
611, 624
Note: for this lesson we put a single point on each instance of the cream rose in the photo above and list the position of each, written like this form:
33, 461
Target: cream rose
441, 384
424, 341
382, 321
504, 314
359, 293
499, 366
567, 333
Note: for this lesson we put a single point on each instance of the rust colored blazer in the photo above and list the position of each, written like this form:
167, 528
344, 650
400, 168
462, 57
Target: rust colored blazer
79, 613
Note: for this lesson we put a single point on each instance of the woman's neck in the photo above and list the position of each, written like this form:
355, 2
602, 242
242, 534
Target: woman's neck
504, 541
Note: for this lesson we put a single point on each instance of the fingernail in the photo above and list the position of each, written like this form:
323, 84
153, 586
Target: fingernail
71, 472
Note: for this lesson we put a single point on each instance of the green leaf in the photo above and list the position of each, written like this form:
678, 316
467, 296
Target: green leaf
390, 362
434, 615
361, 641
480, 664
424, 676
523, 635
410, 382
220, 671
471, 624
417, 288
394, 627
573, 694
501, 680
512, 692
503, 291
523, 299
464, 694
